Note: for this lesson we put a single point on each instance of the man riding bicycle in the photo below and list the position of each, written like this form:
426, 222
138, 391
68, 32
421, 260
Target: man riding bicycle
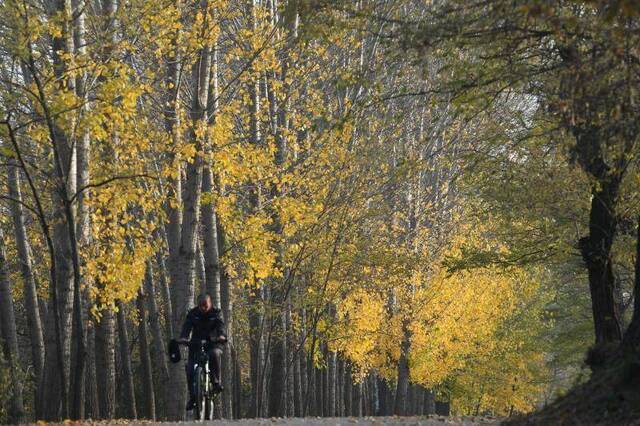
203, 323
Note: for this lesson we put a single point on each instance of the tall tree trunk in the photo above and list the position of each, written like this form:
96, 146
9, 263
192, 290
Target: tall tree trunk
173, 202
631, 339
366, 397
237, 385
306, 375
128, 396
31, 302
325, 383
92, 404
403, 372
214, 242
429, 402
183, 276
54, 377
256, 350
289, 360
64, 170
51, 395
277, 382
10, 340
383, 390
596, 252
227, 312
348, 391
320, 392
297, 387
311, 401
331, 385
340, 387
166, 295
410, 403
356, 409
81, 365
105, 365
148, 391
256, 296
201, 275
158, 342
173, 208
210, 241
419, 400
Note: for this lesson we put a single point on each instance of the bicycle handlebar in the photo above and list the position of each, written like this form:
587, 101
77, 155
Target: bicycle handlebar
188, 342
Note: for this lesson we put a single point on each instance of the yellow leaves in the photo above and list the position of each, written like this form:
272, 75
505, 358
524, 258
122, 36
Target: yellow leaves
256, 261
363, 339
295, 214
115, 261
456, 312
54, 30
461, 324
187, 152
508, 371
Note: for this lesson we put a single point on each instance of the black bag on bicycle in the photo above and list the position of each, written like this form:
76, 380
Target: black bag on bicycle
174, 351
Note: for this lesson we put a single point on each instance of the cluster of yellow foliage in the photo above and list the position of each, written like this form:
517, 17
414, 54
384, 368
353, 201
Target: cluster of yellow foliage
471, 332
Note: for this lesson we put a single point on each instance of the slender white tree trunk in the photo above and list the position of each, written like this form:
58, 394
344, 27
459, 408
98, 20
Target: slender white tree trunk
10, 339
31, 302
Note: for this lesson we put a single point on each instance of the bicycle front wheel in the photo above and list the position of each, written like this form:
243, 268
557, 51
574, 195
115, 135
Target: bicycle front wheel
200, 384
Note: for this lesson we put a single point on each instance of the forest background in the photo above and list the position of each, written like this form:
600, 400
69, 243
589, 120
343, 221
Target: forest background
400, 206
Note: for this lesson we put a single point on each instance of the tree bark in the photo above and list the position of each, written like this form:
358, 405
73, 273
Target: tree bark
596, 252
325, 385
201, 275
403, 373
410, 403
92, 404
429, 402
227, 313
10, 340
383, 390
184, 273
319, 397
256, 295
31, 302
83, 362
348, 391
158, 342
296, 387
166, 295
128, 398
210, 241
277, 382
64, 170
310, 395
356, 410
631, 340
105, 365
331, 385
256, 350
148, 391
56, 377
237, 385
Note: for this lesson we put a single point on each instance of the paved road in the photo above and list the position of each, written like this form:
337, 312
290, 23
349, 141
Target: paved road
348, 421
307, 421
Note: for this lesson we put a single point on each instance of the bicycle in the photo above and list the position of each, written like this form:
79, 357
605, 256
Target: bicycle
202, 386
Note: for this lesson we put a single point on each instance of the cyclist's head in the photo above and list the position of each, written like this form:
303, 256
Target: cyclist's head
204, 302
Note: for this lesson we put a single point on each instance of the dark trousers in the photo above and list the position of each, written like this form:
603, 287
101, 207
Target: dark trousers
215, 363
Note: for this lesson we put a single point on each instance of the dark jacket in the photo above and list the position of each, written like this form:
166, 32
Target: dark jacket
203, 325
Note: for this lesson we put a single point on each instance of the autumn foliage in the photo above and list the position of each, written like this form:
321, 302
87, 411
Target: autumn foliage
388, 222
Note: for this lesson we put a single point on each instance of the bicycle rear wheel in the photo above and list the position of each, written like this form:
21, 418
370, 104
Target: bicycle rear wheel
209, 409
